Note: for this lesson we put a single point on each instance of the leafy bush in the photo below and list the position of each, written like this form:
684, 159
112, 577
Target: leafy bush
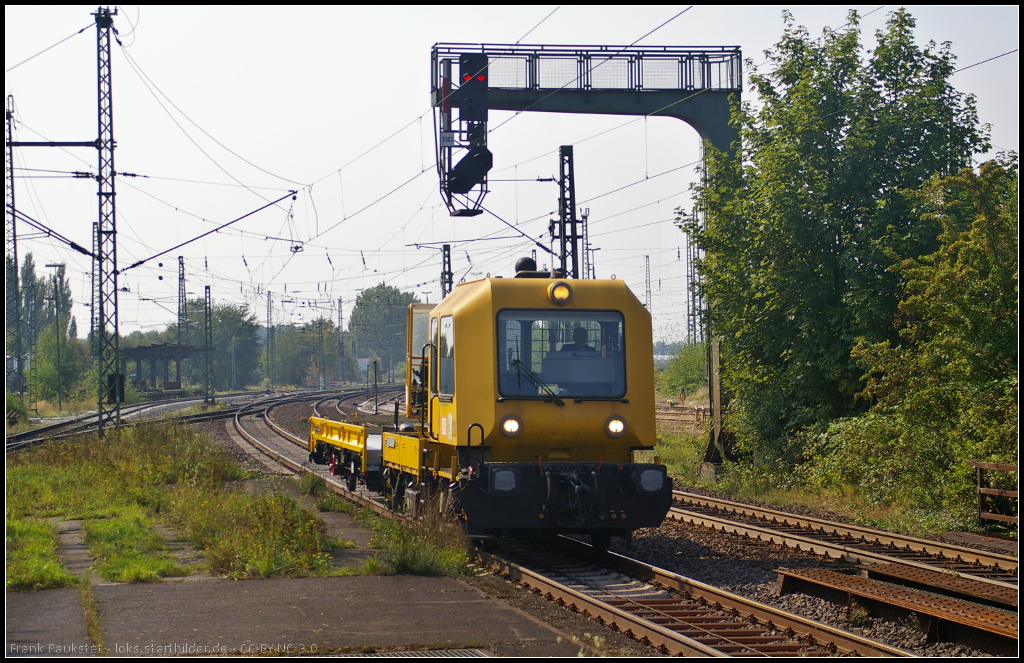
17, 411
948, 393
688, 369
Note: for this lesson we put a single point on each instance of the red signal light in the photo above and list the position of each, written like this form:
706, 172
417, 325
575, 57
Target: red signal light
480, 78
467, 77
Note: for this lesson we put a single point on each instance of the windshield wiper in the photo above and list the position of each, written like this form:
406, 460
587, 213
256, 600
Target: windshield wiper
537, 382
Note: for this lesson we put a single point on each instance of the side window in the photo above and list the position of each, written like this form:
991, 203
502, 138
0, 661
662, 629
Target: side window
446, 357
433, 356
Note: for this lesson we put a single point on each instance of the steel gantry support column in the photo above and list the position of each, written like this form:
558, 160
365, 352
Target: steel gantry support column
588, 266
208, 347
447, 278
12, 290
110, 376
568, 231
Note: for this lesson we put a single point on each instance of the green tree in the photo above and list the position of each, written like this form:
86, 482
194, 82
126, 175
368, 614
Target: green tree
74, 364
687, 369
237, 345
946, 391
49, 333
800, 231
378, 324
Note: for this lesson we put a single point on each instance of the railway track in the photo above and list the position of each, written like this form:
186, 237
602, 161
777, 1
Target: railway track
956, 594
667, 611
674, 614
852, 543
679, 416
130, 415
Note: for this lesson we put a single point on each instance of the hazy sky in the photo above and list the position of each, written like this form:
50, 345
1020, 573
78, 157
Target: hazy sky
300, 93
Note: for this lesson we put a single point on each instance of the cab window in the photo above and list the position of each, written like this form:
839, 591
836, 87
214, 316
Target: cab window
433, 356
574, 353
446, 357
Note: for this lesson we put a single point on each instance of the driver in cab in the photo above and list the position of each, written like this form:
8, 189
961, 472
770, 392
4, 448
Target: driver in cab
579, 344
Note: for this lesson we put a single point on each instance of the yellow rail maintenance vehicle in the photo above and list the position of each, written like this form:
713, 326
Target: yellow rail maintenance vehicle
350, 451
532, 395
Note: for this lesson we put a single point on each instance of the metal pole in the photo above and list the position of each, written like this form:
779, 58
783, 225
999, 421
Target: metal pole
375, 386
321, 364
270, 341
57, 330
15, 379
567, 231
208, 343
647, 281
341, 345
108, 341
182, 304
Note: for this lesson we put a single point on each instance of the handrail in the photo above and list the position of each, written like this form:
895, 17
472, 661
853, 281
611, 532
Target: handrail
983, 489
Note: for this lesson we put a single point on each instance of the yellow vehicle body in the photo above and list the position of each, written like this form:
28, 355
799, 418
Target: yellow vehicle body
496, 350
336, 434
349, 450
574, 432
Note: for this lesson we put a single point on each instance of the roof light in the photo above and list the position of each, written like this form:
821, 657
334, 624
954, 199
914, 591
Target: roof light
559, 292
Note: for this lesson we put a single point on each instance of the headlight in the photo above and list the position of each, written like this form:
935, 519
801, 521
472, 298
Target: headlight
511, 426
560, 292
615, 426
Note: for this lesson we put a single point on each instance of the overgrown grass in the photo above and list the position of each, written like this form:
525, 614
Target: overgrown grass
434, 545
175, 474
128, 549
32, 560
682, 452
786, 489
315, 486
780, 484
91, 613
247, 536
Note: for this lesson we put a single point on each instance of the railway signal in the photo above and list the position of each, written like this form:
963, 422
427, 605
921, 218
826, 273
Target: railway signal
473, 97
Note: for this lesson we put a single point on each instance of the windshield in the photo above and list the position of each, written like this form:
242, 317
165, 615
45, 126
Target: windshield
565, 353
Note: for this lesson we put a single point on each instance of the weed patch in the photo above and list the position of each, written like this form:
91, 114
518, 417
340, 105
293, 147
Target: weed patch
32, 559
434, 545
127, 549
314, 485
246, 536
121, 484
682, 452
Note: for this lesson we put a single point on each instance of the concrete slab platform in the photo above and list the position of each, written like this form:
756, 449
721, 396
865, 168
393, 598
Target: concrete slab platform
295, 615
46, 623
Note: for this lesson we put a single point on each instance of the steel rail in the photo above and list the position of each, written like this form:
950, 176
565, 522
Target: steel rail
946, 554
612, 611
78, 424
804, 544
